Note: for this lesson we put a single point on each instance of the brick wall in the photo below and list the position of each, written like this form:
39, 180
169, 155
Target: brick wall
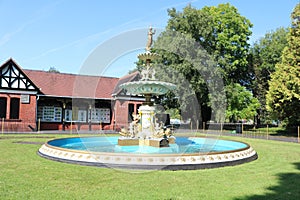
121, 112
27, 115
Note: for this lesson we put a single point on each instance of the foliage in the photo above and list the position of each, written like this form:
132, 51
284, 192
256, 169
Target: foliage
174, 113
187, 65
222, 32
211, 33
53, 70
265, 54
241, 104
283, 97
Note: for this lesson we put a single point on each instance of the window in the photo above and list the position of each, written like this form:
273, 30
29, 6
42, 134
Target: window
49, 113
75, 115
14, 108
130, 111
82, 115
98, 115
68, 115
2, 107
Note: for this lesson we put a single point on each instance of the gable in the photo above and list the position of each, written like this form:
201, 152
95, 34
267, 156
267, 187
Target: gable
13, 78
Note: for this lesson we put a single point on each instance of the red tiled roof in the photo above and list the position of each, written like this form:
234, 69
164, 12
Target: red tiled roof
71, 85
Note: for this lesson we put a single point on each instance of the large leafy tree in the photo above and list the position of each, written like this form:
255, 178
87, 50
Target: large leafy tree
222, 35
186, 64
264, 55
283, 97
222, 32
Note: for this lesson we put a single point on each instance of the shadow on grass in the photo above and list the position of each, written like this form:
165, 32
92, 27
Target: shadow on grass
289, 132
288, 187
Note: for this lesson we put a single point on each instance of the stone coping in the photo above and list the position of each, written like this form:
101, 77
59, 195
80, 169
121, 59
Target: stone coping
149, 161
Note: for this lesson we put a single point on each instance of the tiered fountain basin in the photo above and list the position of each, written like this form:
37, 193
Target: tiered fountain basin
148, 87
186, 154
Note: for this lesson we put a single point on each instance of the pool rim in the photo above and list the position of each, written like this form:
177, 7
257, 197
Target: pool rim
147, 154
183, 161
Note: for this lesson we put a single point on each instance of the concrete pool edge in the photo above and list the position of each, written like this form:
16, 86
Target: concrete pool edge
155, 167
149, 161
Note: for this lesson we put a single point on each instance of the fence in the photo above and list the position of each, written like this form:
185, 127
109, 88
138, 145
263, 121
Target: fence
264, 131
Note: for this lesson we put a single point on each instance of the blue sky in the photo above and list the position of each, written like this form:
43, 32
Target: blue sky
39, 34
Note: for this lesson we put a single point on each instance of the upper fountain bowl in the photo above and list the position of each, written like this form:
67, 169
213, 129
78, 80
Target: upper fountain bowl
148, 56
148, 87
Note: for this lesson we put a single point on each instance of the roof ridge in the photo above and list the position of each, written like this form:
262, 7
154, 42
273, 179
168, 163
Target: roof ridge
64, 73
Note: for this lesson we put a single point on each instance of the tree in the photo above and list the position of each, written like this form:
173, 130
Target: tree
283, 97
265, 54
222, 32
241, 104
183, 62
53, 70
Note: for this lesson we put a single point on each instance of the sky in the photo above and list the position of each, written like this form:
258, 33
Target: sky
65, 34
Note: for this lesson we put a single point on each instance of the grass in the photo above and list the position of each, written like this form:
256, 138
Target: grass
25, 175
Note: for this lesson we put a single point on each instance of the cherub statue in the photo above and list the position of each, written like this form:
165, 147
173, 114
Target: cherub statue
135, 124
124, 132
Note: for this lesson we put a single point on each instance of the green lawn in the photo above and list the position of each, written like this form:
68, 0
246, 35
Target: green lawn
25, 175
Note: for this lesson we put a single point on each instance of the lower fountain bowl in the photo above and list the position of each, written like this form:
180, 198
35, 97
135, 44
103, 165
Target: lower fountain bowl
189, 153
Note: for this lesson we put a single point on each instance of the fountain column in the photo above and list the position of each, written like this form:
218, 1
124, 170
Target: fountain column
147, 121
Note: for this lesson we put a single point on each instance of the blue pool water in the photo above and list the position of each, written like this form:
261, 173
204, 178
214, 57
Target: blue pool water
183, 145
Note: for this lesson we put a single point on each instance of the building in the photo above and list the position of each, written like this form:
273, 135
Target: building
32, 100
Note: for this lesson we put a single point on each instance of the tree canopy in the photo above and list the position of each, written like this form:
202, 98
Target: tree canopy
222, 32
207, 50
264, 55
208, 47
283, 97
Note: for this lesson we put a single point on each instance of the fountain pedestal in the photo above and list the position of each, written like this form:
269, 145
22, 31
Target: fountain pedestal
147, 135
147, 121
153, 142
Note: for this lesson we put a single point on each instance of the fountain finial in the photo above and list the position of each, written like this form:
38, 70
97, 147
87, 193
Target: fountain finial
151, 32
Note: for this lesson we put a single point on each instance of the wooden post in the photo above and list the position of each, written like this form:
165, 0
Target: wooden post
197, 125
2, 126
71, 127
267, 131
298, 135
203, 127
242, 128
221, 127
191, 125
39, 124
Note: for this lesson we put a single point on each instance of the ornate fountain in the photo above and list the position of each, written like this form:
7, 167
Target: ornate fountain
145, 129
138, 145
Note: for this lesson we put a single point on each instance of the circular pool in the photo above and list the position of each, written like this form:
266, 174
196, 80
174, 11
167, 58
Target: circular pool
186, 153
